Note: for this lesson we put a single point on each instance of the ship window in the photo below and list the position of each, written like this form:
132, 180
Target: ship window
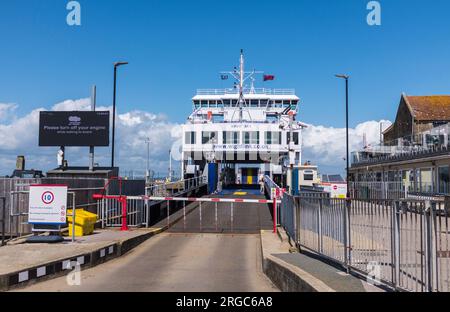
226, 103
270, 104
286, 103
254, 103
204, 103
230, 137
209, 137
264, 103
251, 137
219, 103
212, 103
234, 103
308, 176
190, 137
197, 104
272, 137
296, 137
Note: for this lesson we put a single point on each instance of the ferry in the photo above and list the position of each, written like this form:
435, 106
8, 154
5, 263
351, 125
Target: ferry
238, 135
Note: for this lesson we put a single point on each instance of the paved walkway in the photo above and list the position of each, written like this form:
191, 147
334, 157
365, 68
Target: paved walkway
24, 256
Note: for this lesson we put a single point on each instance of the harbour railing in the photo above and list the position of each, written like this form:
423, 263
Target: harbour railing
401, 244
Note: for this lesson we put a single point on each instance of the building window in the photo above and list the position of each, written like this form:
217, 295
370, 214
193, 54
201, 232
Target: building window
209, 137
272, 137
190, 138
251, 137
296, 138
426, 181
443, 173
230, 137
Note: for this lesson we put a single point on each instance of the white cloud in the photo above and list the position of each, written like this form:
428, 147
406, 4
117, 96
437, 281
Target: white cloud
19, 136
6, 109
326, 146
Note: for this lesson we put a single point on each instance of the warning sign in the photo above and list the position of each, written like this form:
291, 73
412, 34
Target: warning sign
48, 204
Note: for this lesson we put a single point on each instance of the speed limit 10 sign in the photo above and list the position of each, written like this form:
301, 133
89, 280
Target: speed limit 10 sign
48, 204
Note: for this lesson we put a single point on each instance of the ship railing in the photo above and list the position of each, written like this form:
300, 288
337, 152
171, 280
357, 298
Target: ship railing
246, 91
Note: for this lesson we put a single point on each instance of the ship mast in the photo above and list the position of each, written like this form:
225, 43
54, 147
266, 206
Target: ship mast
241, 86
241, 77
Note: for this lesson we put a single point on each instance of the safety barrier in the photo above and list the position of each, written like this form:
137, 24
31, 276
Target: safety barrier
133, 211
404, 244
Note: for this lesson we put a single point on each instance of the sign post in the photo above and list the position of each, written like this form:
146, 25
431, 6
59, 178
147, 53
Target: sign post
47, 207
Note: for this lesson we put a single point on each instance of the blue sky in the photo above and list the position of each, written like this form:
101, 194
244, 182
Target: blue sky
175, 47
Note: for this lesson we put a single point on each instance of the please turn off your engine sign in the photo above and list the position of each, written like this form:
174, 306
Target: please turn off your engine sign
48, 204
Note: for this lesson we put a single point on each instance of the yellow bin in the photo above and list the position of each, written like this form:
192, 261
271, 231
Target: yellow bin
84, 222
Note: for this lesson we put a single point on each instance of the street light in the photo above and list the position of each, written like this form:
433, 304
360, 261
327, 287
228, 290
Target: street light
117, 64
346, 127
147, 172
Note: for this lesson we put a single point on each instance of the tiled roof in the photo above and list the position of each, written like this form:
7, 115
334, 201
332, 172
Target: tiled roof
430, 108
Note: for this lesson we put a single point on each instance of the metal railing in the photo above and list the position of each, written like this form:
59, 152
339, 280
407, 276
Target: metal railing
403, 244
246, 91
109, 212
176, 188
397, 190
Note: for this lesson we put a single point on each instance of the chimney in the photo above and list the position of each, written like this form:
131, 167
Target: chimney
20, 163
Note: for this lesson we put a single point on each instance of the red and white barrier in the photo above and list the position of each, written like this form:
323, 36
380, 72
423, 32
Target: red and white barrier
208, 200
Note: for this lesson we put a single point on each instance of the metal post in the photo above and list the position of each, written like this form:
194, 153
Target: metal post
114, 118
123, 201
431, 259
347, 138
74, 214
92, 148
232, 216
319, 225
396, 245
275, 215
216, 216
184, 215
347, 235
114, 110
3, 220
200, 205
168, 213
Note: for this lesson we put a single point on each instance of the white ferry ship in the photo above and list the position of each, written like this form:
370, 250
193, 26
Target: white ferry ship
237, 135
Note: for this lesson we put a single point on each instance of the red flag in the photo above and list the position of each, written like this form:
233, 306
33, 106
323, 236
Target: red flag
269, 77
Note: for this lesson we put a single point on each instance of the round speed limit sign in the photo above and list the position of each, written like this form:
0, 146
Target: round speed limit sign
48, 197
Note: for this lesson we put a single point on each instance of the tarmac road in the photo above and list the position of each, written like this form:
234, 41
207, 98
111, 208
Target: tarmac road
177, 263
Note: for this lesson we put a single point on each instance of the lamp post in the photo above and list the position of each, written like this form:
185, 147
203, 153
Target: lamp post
147, 172
117, 64
346, 128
